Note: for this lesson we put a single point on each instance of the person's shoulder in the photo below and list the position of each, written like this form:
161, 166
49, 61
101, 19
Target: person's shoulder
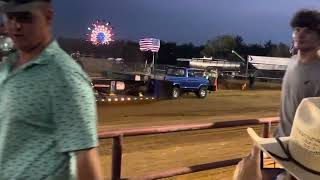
6, 60
60, 59
293, 63
294, 59
2, 64
61, 63
3, 61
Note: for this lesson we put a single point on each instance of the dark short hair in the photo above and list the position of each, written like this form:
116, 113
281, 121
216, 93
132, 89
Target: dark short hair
306, 18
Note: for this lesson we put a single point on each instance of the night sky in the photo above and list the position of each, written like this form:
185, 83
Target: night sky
182, 21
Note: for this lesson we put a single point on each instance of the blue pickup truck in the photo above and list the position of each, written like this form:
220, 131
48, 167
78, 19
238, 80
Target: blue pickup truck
187, 80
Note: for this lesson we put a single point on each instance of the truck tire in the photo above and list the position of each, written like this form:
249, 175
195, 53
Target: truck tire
202, 92
175, 92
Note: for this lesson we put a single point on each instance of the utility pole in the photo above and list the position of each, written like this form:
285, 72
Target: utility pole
245, 61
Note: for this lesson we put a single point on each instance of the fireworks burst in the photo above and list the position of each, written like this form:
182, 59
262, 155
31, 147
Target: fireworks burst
100, 33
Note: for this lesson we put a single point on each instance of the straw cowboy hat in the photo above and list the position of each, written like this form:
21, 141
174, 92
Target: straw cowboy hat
299, 153
20, 5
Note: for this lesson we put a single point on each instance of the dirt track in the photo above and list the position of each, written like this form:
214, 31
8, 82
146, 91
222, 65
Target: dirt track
159, 152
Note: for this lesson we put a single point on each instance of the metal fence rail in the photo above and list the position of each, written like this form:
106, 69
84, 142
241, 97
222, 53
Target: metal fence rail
118, 136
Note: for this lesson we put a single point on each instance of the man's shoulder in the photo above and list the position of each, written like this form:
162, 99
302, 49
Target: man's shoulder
292, 65
2, 62
60, 59
5, 61
61, 63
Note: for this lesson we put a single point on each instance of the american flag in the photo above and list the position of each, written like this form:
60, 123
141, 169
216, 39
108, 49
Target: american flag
149, 44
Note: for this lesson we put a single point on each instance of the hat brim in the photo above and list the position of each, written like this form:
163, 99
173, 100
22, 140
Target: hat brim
13, 7
271, 145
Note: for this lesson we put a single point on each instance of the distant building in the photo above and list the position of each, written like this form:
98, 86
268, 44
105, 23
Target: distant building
221, 65
271, 67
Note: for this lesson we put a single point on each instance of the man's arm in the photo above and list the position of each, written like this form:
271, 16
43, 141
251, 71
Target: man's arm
88, 165
75, 115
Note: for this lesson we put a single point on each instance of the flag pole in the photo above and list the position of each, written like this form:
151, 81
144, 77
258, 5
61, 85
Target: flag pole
156, 93
153, 65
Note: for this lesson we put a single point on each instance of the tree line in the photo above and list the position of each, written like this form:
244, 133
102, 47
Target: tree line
219, 47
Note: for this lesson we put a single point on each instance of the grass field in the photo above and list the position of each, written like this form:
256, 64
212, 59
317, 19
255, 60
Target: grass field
154, 153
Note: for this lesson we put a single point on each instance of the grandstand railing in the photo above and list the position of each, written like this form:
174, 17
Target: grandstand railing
118, 136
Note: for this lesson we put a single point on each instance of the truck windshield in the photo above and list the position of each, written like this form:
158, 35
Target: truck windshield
176, 72
193, 73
